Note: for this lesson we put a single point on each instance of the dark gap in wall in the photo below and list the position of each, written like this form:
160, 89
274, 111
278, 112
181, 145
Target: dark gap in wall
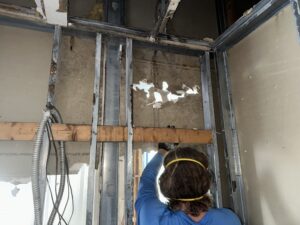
23, 3
229, 11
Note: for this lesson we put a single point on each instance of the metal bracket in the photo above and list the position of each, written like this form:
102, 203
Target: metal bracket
54, 66
260, 13
167, 14
129, 150
232, 147
209, 123
94, 131
296, 8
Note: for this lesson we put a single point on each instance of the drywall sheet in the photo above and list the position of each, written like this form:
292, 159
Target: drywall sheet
25, 57
264, 70
24, 70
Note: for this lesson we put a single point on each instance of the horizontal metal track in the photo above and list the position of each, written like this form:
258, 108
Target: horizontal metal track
31, 18
139, 35
252, 19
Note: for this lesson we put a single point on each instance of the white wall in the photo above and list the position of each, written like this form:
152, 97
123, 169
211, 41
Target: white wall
24, 72
265, 76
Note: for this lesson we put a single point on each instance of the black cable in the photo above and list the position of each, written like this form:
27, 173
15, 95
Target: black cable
68, 177
52, 199
56, 151
56, 155
49, 133
68, 183
70, 190
66, 204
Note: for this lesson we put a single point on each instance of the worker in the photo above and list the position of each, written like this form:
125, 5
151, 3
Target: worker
185, 182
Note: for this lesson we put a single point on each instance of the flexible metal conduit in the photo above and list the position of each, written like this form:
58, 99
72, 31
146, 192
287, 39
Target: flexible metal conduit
36, 168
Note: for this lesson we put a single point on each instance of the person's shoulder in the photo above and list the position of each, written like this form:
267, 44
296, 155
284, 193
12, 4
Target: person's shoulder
224, 216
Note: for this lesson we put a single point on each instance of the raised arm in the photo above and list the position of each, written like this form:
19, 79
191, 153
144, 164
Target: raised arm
148, 206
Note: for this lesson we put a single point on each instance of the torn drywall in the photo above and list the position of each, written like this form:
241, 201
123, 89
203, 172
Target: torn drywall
163, 95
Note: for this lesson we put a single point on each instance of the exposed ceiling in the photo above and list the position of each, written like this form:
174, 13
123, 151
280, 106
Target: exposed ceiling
193, 18
23, 3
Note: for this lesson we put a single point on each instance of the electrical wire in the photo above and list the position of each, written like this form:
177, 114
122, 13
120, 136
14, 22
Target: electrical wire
48, 127
52, 199
70, 190
56, 153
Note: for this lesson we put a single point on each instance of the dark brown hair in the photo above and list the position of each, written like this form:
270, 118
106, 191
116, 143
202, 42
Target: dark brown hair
186, 180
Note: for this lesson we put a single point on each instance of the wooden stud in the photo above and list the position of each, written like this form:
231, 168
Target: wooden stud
80, 133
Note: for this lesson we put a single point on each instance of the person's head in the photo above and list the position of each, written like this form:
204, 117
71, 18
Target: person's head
185, 180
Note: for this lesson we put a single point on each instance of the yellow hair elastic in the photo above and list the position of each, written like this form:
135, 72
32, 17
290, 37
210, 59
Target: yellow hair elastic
189, 199
187, 160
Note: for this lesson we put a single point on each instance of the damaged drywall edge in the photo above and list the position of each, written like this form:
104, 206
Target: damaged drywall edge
18, 198
143, 86
16, 180
40, 8
54, 14
162, 96
53, 11
165, 86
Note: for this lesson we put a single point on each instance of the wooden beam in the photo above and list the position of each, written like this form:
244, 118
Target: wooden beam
80, 133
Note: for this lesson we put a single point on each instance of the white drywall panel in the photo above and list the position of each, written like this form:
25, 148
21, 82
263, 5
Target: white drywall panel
24, 71
264, 69
25, 57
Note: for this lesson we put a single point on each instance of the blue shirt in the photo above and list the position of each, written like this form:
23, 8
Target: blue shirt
151, 211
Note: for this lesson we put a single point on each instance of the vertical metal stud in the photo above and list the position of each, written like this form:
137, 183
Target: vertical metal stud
209, 124
54, 66
93, 146
232, 147
55, 61
296, 8
129, 151
110, 157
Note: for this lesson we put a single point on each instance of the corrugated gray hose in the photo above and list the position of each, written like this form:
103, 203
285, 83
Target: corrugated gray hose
62, 158
36, 170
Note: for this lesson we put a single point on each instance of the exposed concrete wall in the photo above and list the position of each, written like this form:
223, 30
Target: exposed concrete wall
74, 90
176, 70
264, 70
